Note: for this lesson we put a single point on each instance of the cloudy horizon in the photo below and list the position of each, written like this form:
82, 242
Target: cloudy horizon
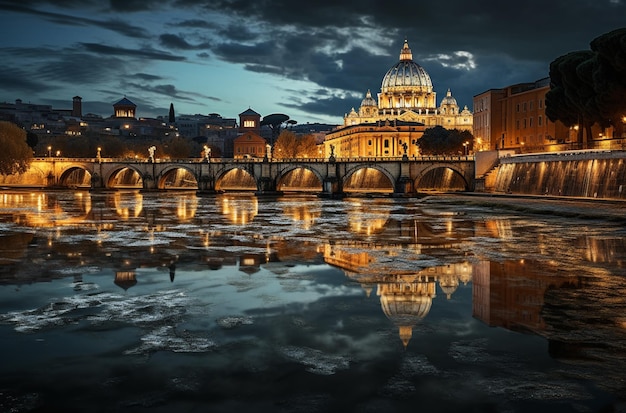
313, 61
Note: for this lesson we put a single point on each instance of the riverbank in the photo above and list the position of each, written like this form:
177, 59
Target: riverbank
569, 207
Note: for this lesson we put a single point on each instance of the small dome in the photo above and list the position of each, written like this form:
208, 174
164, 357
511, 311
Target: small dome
449, 100
368, 100
406, 74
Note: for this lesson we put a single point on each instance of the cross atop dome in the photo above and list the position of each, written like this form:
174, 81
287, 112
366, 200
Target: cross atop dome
405, 53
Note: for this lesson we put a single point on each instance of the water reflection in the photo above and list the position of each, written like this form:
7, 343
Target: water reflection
400, 295
127, 204
239, 209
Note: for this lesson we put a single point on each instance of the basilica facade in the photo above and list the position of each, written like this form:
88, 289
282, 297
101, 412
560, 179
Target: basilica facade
392, 125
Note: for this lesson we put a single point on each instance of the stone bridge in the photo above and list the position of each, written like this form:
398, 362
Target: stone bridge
331, 177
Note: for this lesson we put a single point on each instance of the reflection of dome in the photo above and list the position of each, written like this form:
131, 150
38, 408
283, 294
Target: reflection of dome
405, 303
406, 74
449, 283
125, 279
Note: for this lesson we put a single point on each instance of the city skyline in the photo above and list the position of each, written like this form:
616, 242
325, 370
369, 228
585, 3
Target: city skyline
313, 62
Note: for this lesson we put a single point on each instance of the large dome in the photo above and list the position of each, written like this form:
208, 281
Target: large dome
406, 75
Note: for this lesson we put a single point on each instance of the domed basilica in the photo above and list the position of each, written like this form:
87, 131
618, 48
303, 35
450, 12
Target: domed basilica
406, 106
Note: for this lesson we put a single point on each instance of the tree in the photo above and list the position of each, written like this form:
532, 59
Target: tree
274, 121
441, 141
286, 146
609, 76
307, 147
32, 139
291, 146
16, 154
172, 117
588, 87
571, 96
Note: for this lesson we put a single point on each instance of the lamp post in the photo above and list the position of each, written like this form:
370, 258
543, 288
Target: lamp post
49, 151
465, 148
98, 156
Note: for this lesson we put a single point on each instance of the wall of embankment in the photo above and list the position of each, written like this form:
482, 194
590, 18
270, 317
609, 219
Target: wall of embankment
584, 173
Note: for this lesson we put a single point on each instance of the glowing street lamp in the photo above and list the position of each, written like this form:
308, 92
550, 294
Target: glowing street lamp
466, 148
99, 150
49, 151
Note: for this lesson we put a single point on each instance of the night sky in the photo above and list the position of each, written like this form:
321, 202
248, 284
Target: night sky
311, 60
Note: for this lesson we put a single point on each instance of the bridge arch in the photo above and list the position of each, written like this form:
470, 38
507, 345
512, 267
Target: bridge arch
124, 176
75, 176
235, 178
366, 174
441, 177
177, 177
299, 178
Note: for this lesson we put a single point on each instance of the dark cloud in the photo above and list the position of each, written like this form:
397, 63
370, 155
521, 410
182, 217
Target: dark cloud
146, 53
117, 26
173, 41
342, 47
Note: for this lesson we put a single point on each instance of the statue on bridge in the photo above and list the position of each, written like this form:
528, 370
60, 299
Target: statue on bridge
151, 151
207, 153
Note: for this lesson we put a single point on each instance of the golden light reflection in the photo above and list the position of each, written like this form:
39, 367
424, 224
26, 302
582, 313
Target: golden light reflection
302, 214
43, 210
186, 207
239, 209
128, 204
363, 221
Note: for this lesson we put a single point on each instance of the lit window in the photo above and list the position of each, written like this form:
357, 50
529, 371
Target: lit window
248, 124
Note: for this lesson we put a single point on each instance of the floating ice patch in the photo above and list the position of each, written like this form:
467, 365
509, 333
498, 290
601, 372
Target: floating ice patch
233, 321
317, 361
58, 313
167, 338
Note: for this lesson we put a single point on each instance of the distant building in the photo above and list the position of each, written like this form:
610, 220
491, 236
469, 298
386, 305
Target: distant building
249, 143
514, 118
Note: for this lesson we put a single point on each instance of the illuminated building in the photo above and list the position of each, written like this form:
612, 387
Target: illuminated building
514, 118
249, 143
406, 106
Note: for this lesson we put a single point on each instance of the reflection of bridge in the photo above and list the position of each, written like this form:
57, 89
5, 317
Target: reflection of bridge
401, 175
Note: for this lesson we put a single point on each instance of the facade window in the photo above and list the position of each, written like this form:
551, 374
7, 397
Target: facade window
530, 122
369, 142
386, 143
540, 103
517, 108
524, 106
539, 120
517, 124
530, 105
248, 124
525, 123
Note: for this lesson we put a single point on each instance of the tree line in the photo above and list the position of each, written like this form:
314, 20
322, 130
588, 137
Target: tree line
588, 87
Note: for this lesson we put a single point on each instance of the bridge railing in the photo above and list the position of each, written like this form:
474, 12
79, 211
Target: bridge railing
425, 158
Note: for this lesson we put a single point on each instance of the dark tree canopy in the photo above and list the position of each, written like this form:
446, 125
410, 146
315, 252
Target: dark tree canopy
588, 87
172, 116
441, 141
16, 154
609, 76
32, 139
274, 121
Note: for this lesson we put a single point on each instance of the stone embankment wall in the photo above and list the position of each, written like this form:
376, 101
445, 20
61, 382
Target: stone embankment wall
587, 173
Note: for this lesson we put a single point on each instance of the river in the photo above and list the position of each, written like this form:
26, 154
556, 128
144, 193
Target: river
129, 301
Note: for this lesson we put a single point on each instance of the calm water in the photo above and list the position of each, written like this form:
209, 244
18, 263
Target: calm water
135, 302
